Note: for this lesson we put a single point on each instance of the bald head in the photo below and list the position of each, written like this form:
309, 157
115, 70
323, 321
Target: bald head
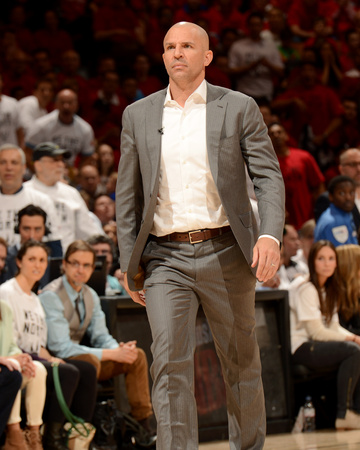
67, 104
202, 34
350, 164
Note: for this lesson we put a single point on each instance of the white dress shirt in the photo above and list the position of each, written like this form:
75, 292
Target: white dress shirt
188, 198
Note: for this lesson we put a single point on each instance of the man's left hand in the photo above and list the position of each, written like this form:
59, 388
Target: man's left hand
266, 255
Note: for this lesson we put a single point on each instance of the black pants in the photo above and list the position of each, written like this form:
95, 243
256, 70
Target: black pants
346, 356
10, 383
79, 387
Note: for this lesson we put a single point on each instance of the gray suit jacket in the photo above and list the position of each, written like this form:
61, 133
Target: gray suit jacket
236, 133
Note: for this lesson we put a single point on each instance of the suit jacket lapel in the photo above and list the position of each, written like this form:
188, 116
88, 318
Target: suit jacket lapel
215, 115
153, 125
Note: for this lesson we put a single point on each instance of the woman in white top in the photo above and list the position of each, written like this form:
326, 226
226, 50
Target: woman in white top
78, 378
318, 340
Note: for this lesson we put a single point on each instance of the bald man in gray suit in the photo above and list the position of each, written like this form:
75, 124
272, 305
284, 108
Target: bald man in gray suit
187, 235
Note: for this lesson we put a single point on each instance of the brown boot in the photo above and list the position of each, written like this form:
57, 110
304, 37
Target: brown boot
15, 440
33, 439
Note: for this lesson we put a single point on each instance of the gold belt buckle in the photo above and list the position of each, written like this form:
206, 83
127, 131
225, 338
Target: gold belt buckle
190, 237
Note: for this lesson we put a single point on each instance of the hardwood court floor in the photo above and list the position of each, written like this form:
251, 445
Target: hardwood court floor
319, 440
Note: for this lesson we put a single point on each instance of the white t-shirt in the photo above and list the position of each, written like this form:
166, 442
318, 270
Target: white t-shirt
9, 120
29, 111
258, 82
30, 330
78, 137
11, 204
72, 212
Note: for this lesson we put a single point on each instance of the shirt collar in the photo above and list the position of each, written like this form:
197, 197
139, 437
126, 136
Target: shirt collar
73, 295
199, 95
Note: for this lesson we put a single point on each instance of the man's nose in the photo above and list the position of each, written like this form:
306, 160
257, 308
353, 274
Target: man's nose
178, 51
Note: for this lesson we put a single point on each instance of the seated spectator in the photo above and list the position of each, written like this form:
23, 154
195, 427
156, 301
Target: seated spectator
31, 224
70, 71
346, 134
331, 74
147, 83
3, 255
349, 165
89, 182
303, 179
18, 75
302, 15
255, 62
72, 212
306, 237
103, 245
104, 208
10, 129
317, 339
349, 49
311, 111
52, 38
64, 337
336, 223
78, 378
34, 382
349, 302
64, 128
105, 162
19, 24
35, 106
14, 195
42, 65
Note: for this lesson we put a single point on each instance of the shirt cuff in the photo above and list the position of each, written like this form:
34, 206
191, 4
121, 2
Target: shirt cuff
271, 237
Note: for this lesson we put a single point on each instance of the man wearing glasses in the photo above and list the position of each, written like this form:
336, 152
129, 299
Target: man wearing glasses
349, 165
73, 312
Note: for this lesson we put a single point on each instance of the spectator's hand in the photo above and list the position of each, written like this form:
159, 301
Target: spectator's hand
27, 365
127, 352
53, 359
266, 255
300, 104
273, 283
10, 364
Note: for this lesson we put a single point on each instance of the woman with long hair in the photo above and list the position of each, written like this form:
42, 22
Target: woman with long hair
78, 378
318, 340
349, 302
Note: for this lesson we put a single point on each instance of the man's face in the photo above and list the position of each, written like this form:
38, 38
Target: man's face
31, 227
67, 104
344, 196
12, 170
291, 242
104, 208
350, 110
103, 248
278, 136
255, 27
78, 268
350, 165
185, 53
44, 93
89, 179
50, 169
3, 254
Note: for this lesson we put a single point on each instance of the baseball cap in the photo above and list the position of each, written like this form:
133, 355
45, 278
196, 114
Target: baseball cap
49, 149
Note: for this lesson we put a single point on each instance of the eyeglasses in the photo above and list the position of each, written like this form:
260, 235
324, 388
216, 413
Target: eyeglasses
353, 165
77, 265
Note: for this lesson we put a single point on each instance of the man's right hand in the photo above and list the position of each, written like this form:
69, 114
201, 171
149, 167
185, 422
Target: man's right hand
9, 363
138, 296
127, 352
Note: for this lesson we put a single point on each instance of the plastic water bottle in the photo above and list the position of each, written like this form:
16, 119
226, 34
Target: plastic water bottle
309, 415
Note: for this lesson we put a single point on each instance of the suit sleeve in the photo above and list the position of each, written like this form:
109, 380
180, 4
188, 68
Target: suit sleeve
128, 192
264, 171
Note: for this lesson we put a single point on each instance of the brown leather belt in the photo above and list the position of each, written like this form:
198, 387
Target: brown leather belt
193, 237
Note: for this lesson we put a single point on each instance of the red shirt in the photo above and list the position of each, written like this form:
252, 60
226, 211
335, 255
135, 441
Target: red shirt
301, 176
